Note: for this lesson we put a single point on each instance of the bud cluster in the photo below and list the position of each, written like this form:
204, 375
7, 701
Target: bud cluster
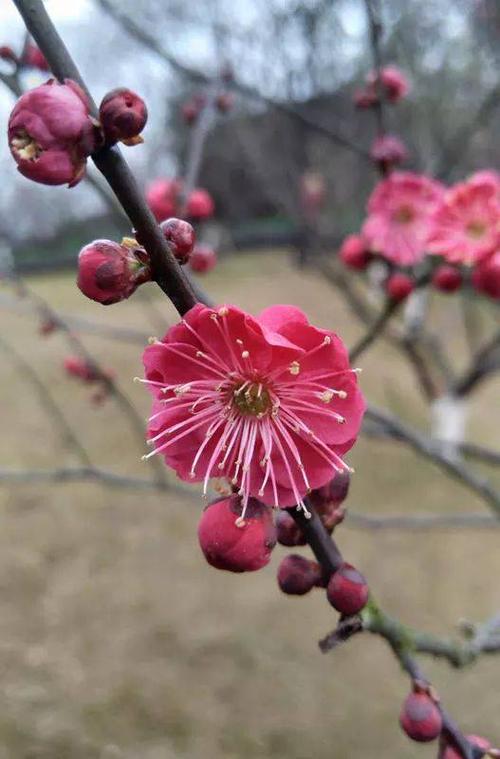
89, 374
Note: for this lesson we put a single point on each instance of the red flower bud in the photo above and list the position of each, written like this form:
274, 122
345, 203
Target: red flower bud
297, 575
189, 112
354, 253
388, 150
475, 740
447, 279
180, 237
287, 530
81, 369
394, 84
224, 102
202, 259
399, 286
200, 205
420, 718
486, 276
51, 133
327, 500
347, 590
7, 54
123, 116
34, 57
161, 196
47, 326
238, 545
109, 273
365, 98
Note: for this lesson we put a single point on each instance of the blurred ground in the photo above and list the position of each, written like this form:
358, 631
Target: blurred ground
118, 642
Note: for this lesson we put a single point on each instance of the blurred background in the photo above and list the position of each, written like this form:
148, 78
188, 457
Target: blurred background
116, 639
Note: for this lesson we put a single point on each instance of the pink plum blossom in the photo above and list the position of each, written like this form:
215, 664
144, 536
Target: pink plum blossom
399, 211
269, 403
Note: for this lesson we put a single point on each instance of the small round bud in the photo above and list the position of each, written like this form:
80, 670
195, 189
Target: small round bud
347, 590
354, 253
7, 54
365, 98
109, 272
224, 102
162, 196
235, 544
123, 116
486, 276
288, 532
388, 151
81, 369
297, 575
180, 236
327, 500
393, 83
202, 259
399, 286
199, 205
189, 112
476, 740
447, 279
47, 326
420, 717
34, 58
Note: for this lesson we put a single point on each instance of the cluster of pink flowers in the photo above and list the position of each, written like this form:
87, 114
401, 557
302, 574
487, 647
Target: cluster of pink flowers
163, 197
412, 218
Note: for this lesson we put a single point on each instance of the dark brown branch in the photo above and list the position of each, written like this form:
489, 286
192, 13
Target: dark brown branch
166, 272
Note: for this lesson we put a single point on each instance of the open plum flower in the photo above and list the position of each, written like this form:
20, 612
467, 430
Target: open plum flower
399, 212
269, 403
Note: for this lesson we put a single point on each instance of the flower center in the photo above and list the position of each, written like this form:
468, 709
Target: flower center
476, 229
252, 398
25, 146
404, 215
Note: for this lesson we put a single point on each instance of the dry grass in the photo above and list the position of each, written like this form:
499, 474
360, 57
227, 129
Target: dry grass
118, 642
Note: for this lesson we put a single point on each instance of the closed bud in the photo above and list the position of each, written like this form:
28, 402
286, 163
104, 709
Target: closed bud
420, 717
51, 133
393, 83
365, 98
475, 740
7, 54
81, 369
189, 112
34, 57
199, 205
123, 116
354, 253
202, 259
109, 272
447, 279
180, 236
399, 286
388, 150
298, 575
347, 590
47, 326
288, 532
224, 102
486, 276
162, 197
235, 543
327, 500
